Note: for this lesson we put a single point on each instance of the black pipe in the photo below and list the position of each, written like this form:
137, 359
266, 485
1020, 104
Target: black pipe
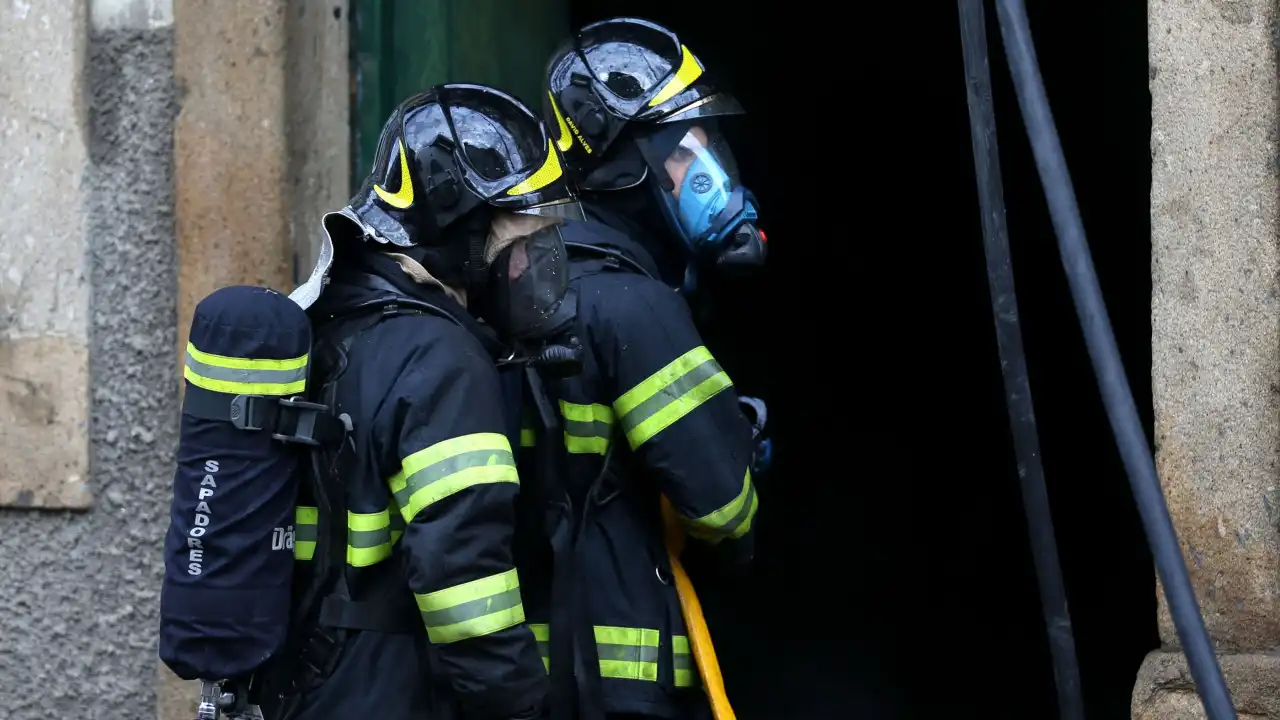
1013, 362
1107, 367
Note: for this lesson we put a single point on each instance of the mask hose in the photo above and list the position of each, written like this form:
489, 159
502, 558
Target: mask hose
1013, 363
1107, 367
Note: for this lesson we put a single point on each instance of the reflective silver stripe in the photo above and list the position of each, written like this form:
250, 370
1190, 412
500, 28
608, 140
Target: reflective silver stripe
685, 670
670, 393
448, 466
627, 653
733, 520
254, 377
304, 533
472, 609
587, 428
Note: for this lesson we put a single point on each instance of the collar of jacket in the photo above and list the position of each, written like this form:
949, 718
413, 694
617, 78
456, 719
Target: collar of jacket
588, 232
380, 275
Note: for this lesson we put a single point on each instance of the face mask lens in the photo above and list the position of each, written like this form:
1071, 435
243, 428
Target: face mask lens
530, 281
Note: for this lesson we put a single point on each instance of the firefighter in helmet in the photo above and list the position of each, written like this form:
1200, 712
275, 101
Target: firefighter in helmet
421, 612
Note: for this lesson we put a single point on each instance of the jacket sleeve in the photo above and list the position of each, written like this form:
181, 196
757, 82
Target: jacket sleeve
456, 488
679, 413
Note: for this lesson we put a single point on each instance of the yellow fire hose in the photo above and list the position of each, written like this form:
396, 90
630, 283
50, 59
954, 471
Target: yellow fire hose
704, 652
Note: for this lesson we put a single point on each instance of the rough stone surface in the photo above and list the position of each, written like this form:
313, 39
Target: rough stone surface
1167, 692
1215, 306
79, 611
44, 294
1216, 339
233, 175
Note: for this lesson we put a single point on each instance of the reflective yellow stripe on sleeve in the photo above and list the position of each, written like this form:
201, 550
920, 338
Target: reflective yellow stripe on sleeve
542, 633
625, 653
445, 468
528, 434
472, 609
304, 532
587, 427
244, 376
370, 536
733, 520
669, 394
686, 670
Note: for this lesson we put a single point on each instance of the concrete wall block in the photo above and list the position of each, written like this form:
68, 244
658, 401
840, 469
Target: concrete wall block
1216, 306
79, 612
318, 122
229, 149
261, 150
44, 292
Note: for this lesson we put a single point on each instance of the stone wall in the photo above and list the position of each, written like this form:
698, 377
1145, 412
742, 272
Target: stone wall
1216, 339
86, 365
152, 151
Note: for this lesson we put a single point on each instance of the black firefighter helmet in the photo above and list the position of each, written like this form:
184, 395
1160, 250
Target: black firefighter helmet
443, 155
617, 72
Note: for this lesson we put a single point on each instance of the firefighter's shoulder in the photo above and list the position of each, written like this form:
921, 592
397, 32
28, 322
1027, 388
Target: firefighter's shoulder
623, 300
439, 341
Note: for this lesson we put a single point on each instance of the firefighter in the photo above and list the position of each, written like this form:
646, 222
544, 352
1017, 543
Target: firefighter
426, 619
650, 418
640, 125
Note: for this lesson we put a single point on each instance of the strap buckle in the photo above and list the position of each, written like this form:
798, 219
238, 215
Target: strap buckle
245, 413
307, 414
302, 422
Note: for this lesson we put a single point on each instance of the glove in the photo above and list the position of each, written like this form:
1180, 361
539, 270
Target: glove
756, 412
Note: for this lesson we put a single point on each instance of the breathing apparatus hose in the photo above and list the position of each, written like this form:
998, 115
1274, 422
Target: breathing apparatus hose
1013, 362
1107, 367
704, 652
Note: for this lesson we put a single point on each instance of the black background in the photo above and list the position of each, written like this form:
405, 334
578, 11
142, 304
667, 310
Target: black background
893, 576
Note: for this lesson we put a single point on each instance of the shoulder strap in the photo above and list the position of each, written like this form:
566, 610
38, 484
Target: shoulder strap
588, 259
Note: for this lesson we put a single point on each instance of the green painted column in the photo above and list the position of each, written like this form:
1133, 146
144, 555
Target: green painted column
401, 47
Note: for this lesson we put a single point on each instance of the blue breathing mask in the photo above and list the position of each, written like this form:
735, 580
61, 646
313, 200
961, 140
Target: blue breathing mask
707, 204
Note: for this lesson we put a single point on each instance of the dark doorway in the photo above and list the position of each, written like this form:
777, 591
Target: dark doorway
893, 578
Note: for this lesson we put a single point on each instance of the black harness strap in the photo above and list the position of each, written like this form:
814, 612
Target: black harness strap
288, 419
388, 616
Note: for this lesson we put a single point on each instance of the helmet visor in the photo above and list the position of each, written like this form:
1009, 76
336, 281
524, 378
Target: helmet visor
643, 72
501, 147
629, 61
